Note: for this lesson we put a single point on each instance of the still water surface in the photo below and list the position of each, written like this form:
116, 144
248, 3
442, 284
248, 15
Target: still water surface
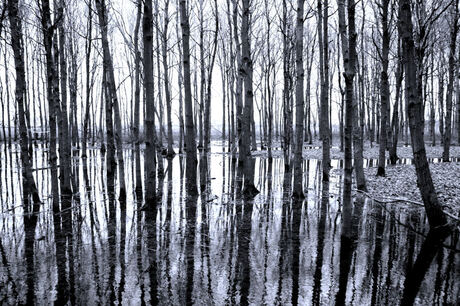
217, 248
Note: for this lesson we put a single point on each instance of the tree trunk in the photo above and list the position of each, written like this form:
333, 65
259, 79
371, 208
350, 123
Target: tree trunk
110, 83
170, 152
202, 102
247, 70
432, 105
436, 216
441, 97
207, 114
65, 146
349, 60
137, 73
450, 84
160, 111
150, 141
458, 103
308, 94
324, 77
287, 85
358, 148
180, 84
299, 116
384, 87
52, 80
29, 187
73, 83
395, 119
88, 44
191, 160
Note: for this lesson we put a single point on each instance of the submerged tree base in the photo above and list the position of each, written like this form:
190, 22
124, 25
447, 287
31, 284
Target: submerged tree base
380, 171
298, 195
250, 191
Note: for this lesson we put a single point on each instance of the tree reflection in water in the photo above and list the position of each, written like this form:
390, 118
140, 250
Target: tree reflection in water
215, 248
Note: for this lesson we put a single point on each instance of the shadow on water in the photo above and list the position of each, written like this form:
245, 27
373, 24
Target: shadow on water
215, 248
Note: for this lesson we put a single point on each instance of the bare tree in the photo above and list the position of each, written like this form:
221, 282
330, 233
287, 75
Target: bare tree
299, 109
112, 91
29, 187
170, 152
287, 83
349, 59
247, 71
395, 119
88, 45
323, 42
137, 73
450, 83
190, 141
207, 114
64, 139
436, 216
384, 86
150, 141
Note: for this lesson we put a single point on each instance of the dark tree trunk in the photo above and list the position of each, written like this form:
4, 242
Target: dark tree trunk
137, 73
190, 141
65, 146
150, 141
52, 80
247, 70
324, 77
436, 216
349, 60
299, 117
170, 152
88, 45
395, 119
207, 114
384, 87
112, 92
29, 187
450, 84
441, 96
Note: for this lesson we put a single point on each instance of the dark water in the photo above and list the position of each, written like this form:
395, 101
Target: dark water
217, 248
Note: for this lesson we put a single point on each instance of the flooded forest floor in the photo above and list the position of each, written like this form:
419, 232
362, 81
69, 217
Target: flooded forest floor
219, 248
400, 181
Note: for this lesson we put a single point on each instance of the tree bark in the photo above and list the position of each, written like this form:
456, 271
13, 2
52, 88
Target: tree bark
324, 77
287, 85
458, 103
52, 81
191, 160
436, 216
384, 87
137, 73
180, 84
112, 91
249, 188
29, 187
450, 84
150, 152
395, 119
207, 114
170, 152
88, 84
299, 117
73, 89
441, 72
349, 60
65, 146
